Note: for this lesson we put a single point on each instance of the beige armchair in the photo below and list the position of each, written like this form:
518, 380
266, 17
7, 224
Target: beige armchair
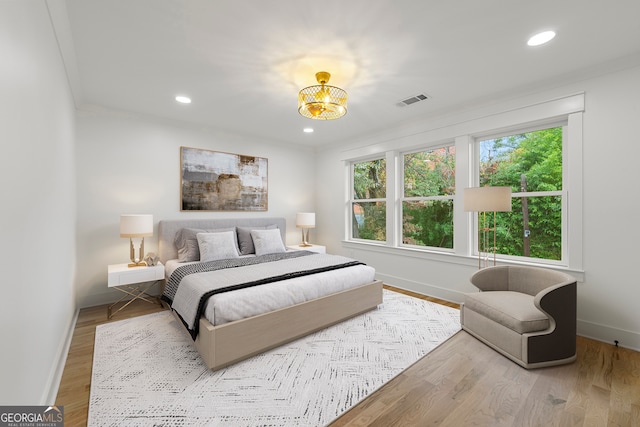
526, 313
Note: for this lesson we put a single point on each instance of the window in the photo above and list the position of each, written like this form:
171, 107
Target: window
368, 200
531, 164
410, 198
427, 203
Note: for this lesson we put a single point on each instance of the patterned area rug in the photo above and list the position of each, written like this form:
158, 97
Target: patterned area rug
146, 371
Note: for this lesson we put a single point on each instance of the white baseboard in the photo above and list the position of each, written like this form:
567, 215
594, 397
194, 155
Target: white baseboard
53, 382
607, 334
109, 296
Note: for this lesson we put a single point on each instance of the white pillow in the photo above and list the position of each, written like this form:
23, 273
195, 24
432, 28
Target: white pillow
215, 246
267, 241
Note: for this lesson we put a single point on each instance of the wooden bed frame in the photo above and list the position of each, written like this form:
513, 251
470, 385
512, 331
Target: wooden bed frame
226, 344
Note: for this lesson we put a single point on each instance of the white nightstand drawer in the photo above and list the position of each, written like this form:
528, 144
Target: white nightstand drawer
121, 274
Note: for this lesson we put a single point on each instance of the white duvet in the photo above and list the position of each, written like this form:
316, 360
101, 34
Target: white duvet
235, 305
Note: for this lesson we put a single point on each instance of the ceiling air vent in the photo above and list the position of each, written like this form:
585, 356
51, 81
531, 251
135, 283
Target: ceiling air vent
412, 100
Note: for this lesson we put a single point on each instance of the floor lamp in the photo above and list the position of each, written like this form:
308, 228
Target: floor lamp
483, 200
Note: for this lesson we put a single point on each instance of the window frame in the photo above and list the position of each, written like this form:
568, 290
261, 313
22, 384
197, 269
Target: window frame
506, 118
475, 182
403, 198
352, 199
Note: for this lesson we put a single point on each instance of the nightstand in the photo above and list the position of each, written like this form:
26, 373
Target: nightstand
313, 248
133, 282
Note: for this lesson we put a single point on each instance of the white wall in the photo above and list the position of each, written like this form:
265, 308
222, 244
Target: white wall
608, 298
128, 164
131, 164
37, 254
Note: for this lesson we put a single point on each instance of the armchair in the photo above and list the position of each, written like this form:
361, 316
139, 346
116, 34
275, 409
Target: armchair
526, 313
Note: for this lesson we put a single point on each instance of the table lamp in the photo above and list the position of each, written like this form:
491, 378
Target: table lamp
305, 221
136, 226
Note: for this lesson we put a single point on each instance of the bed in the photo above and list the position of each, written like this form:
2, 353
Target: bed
331, 294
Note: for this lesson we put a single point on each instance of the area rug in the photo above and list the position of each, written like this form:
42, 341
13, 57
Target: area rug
146, 371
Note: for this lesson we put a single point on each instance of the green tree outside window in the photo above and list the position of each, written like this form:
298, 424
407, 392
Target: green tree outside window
429, 189
368, 205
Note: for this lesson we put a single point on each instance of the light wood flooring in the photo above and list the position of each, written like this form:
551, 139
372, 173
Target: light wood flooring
460, 383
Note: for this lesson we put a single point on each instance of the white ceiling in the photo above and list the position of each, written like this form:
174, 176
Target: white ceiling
243, 61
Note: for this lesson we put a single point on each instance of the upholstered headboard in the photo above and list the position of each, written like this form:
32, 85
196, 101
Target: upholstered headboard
167, 230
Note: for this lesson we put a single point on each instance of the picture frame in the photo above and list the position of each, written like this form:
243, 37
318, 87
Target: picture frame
219, 181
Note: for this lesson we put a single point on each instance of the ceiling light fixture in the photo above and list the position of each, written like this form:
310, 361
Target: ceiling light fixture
541, 38
307, 130
183, 99
322, 102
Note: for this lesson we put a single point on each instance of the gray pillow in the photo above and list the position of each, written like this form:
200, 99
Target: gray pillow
267, 241
245, 242
186, 242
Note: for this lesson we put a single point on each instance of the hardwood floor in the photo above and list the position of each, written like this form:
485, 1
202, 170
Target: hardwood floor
461, 383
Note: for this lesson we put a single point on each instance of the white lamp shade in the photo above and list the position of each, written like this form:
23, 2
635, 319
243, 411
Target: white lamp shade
136, 225
306, 220
487, 199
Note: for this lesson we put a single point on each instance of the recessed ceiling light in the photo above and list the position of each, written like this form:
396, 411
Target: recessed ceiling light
307, 130
541, 38
183, 99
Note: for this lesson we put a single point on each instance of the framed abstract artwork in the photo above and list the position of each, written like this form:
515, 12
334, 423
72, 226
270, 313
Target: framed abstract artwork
217, 181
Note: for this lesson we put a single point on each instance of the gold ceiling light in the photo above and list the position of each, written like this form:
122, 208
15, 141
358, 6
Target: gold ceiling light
322, 102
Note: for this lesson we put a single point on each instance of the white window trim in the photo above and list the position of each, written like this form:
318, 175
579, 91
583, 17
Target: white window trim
567, 109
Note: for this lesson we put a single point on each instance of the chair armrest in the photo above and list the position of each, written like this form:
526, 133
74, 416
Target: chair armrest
559, 341
559, 303
491, 279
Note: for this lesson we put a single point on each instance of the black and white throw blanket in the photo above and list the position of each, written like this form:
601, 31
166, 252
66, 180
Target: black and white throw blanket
189, 286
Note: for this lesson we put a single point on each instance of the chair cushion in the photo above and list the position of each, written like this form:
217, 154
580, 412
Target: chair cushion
514, 310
